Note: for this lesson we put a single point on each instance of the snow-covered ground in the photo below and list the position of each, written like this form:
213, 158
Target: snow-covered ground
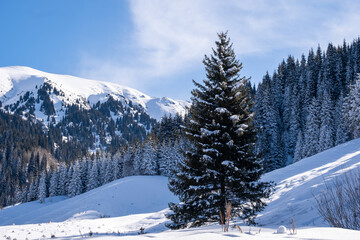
119, 210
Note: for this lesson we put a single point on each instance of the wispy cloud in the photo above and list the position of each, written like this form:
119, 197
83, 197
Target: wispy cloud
170, 38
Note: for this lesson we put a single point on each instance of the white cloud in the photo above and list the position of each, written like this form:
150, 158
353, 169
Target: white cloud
171, 37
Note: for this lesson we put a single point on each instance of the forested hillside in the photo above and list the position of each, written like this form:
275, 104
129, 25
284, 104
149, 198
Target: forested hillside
24, 152
36, 162
304, 107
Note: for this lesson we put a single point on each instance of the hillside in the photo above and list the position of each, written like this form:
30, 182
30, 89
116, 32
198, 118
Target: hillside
144, 206
298, 183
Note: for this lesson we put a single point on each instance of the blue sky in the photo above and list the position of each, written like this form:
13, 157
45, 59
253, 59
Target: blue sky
157, 46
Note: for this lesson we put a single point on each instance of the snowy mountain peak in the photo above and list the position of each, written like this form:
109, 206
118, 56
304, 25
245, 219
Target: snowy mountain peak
17, 81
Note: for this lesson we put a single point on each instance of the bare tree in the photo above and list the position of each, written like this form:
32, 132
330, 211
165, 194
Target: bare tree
339, 204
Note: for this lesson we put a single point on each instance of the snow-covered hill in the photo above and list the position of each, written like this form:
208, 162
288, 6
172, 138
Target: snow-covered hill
126, 196
16, 81
297, 184
121, 208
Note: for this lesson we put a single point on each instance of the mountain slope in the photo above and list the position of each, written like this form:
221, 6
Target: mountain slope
136, 202
16, 81
297, 184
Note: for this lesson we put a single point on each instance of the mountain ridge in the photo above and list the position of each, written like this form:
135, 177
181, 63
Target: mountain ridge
15, 81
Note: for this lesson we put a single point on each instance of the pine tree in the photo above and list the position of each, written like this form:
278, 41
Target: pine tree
33, 190
148, 164
312, 129
93, 180
164, 155
19, 195
42, 192
352, 109
75, 185
69, 174
109, 172
137, 158
54, 184
220, 165
102, 170
326, 137
342, 129
83, 174
128, 166
63, 180
299, 148
117, 161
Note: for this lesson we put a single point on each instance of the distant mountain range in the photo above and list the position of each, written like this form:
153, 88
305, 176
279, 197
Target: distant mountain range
19, 84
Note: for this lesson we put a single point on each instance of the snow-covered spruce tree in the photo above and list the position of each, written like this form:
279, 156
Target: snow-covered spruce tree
327, 133
221, 165
42, 192
54, 184
75, 185
63, 179
352, 109
148, 164
93, 173
312, 131
33, 190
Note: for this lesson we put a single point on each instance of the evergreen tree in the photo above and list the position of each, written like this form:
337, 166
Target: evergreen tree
93, 180
75, 185
299, 148
102, 170
352, 108
128, 167
312, 129
326, 138
342, 130
42, 192
136, 159
63, 179
148, 164
165, 157
43, 163
69, 172
33, 190
117, 166
18, 196
83, 174
220, 165
54, 184
109, 172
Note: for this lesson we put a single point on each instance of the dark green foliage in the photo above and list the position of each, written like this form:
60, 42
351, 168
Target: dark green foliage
299, 109
220, 165
18, 138
169, 128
